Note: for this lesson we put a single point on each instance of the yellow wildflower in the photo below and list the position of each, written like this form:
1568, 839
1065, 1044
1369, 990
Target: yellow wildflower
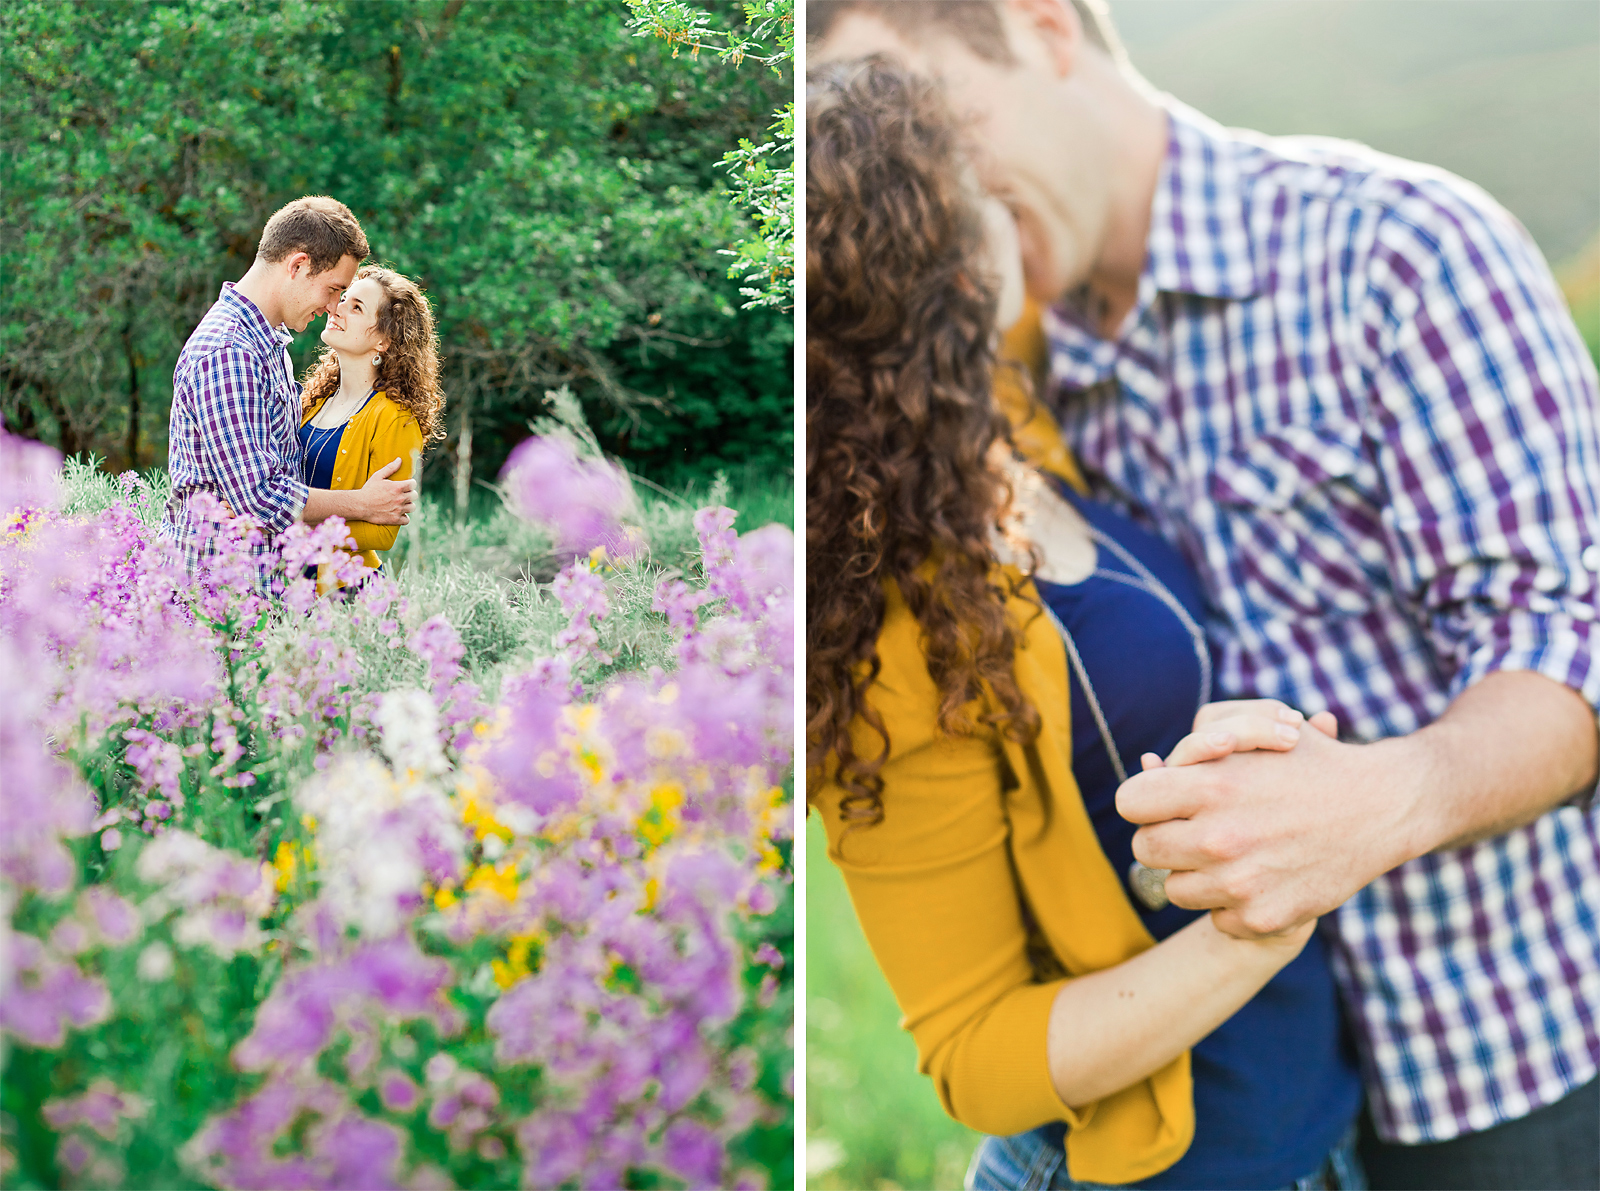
660, 820
771, 858
445, 898
482, 821
283, 862
592, 764
502, 880
768, 808
515, 965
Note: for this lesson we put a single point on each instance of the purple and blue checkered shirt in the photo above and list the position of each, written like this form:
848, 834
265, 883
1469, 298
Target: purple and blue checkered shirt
235, 413
1351, 393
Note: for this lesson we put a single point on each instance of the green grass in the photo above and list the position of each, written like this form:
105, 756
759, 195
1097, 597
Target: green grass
866, 1104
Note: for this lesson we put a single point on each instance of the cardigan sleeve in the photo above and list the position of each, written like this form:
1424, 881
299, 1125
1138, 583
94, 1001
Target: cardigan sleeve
396, 437
975, 829
934, 889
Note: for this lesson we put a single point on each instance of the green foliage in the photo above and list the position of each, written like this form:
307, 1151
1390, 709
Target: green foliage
763, 175
871, 1119
552, 183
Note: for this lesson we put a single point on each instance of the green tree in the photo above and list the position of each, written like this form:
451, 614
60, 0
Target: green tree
552, 183
763, 175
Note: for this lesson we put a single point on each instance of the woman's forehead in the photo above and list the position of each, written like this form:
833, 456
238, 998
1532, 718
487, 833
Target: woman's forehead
367, 290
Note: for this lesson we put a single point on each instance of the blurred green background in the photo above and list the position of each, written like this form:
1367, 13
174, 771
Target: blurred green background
553, 182
1505, 93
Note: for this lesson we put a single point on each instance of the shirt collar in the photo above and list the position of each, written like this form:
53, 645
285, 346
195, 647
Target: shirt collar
263, 335
1199, 242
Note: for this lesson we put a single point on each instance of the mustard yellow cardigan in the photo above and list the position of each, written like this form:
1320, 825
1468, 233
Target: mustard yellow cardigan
984, 888
380, 432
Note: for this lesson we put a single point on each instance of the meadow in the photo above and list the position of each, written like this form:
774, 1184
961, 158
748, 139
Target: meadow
472, 873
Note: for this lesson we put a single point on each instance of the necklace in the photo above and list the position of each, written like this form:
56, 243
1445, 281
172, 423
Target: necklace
1152, 585
1147, 884
340, 421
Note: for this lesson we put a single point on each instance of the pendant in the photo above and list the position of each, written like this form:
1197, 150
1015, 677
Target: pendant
1149, 885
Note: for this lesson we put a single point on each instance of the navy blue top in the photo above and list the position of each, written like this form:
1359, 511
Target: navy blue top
1275, 1086
320, 448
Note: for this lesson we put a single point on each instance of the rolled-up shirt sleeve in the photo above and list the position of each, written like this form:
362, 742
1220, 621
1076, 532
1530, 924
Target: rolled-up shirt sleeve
242, 440
1487, 404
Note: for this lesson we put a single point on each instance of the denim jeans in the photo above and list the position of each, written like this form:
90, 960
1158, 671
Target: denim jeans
1035, 1161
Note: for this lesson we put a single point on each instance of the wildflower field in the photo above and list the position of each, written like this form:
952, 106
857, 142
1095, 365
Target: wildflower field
474, 873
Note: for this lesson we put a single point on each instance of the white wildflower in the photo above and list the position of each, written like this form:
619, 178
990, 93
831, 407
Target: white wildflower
155, 963
409, 724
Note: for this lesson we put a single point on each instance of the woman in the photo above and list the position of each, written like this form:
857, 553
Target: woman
373, 396
986, 655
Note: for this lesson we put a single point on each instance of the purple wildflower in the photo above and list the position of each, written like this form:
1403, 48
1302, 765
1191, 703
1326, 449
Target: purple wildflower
100, 1108
581, 501
41, 994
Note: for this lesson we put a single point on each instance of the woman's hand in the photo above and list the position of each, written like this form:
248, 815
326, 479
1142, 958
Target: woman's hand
1240, 726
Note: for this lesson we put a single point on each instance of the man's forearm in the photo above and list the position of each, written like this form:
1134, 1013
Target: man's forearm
322, 503
1269, 840
1510, 748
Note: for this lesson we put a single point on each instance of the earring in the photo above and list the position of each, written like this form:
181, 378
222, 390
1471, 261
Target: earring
377, 360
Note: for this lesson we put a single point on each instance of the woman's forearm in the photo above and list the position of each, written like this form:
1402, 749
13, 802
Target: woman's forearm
1112, 1028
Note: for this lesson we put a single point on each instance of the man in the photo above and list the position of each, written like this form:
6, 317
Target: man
1346, 386
235, 403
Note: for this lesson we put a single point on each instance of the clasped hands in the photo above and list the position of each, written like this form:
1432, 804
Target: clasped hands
1263, 816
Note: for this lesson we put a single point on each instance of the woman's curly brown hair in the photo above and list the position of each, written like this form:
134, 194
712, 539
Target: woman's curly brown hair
409, 374
900, 419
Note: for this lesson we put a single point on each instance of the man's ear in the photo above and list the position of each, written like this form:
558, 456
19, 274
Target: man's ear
296, 261
1055, 24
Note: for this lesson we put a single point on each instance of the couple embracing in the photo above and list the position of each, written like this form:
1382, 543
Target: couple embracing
1209, 746
274, 451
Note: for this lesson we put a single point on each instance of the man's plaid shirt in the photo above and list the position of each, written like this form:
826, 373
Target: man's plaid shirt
235, 417
1351, 393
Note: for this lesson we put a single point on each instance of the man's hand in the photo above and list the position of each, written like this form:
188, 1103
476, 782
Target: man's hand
1269, 840
380, 501
384, 501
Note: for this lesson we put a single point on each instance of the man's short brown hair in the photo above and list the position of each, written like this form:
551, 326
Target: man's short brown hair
976, 23
321, 227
